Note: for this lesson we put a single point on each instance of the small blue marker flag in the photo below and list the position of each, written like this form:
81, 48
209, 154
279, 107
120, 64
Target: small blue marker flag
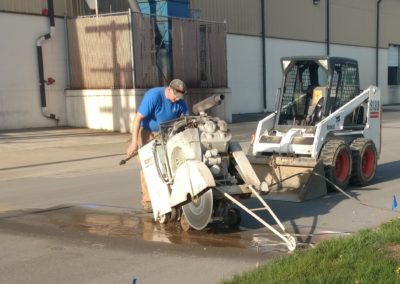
394, 202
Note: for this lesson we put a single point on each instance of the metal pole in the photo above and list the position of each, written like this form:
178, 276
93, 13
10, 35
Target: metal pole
377, 42
287, 238
132, 49
327, 28
264, 71
68, 67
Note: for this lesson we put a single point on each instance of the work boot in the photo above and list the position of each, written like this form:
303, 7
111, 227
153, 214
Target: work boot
147, 206
146, 203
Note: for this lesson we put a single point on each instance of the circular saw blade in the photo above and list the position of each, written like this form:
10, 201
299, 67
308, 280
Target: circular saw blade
198, 212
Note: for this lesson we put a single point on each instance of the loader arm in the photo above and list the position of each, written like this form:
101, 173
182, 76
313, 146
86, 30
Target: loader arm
265, 124
335, 121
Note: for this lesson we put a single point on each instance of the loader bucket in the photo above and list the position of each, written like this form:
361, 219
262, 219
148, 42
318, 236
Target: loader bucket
289, 178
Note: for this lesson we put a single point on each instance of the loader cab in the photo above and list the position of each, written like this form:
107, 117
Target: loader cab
314, 87
344, 83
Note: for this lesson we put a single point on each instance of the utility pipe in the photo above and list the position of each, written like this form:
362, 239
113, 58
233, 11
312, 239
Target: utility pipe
42, 81
378, 3
264, 71
327, 29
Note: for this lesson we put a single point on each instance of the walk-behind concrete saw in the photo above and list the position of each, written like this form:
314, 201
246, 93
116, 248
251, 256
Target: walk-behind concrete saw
195, 173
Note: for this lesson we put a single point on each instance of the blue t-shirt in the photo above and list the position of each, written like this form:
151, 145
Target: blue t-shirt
156, 108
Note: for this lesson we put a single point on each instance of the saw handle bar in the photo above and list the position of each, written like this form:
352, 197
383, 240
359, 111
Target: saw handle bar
123, 161
165, 179
289, 240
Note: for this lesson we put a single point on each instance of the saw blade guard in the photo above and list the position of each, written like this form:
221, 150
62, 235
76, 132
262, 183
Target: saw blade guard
191, 178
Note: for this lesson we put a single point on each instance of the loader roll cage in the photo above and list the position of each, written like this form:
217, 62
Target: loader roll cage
314, 87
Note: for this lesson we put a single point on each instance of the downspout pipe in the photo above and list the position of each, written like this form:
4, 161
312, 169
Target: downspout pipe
42, 81
327, 29
378, 3
264, 69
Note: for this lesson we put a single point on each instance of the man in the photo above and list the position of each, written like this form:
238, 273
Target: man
159, 104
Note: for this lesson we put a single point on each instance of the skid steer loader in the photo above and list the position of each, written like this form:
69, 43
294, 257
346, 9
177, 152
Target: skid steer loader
323, 126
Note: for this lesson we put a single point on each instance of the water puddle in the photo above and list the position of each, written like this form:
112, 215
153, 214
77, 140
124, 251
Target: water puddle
116, 222
131, 224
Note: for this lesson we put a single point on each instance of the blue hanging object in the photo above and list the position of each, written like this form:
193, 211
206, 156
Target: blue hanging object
394, 202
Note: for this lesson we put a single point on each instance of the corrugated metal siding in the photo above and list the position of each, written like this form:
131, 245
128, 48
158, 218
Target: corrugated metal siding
72, 8
242, 17
298, 19
353, 22
36, 6
23, 6
390, 23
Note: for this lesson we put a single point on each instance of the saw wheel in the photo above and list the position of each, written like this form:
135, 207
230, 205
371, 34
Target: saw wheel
197, 213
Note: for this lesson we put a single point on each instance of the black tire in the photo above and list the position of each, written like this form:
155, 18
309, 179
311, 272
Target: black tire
337, 160
233, 218
365, 158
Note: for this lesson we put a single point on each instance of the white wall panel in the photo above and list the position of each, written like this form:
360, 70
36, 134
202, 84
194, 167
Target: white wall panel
106, 109
245, 73
19, 81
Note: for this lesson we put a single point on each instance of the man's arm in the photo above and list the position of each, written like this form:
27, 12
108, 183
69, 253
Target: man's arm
133, 147
185, 109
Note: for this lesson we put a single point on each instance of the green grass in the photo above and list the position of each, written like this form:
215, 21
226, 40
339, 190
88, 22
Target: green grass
370, 256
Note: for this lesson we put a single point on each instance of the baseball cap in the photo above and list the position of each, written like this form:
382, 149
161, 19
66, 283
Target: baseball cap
179, 88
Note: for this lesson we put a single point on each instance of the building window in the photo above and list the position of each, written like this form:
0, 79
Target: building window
393, 65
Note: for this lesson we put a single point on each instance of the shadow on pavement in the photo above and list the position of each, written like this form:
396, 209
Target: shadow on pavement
61, 162
387, 172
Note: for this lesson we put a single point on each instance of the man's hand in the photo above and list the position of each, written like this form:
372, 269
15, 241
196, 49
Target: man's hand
132, 149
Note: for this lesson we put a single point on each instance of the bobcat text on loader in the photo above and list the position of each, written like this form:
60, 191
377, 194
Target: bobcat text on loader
324, 132
195, 173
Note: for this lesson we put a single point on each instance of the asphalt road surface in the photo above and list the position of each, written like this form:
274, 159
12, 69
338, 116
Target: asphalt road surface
70, 214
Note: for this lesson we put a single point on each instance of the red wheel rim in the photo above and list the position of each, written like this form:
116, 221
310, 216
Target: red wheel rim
342, 166
368, 162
